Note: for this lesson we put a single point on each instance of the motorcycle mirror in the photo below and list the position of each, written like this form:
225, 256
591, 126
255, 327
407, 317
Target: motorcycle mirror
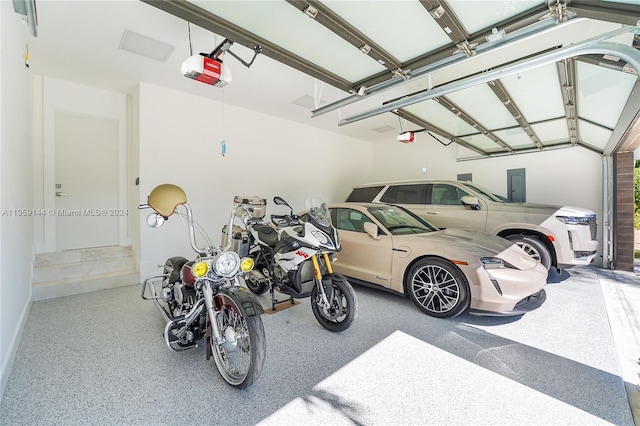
281, 202
155, 220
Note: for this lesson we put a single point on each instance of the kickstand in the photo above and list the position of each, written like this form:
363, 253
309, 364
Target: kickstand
277, 305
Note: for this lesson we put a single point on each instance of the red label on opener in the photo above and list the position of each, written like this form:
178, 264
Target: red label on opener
211, 71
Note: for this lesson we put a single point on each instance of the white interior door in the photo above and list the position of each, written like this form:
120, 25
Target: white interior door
86, 181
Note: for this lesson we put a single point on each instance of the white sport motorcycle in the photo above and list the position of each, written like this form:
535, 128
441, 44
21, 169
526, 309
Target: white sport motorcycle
292, 256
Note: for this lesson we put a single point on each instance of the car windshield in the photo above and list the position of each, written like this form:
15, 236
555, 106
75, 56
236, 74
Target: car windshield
485, 193
399, 221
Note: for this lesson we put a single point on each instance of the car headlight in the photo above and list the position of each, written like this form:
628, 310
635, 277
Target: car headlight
227, 264
573, 220
495, 263
321, 236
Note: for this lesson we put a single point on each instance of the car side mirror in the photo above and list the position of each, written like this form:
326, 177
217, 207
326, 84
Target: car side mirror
473, 202
372, 229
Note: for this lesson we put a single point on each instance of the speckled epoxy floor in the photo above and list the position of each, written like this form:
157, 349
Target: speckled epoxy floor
98, 358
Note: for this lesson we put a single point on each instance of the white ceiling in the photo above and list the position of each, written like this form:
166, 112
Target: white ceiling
79, 41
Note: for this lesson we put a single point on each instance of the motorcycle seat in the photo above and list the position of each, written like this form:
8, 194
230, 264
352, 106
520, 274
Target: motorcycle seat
267, 234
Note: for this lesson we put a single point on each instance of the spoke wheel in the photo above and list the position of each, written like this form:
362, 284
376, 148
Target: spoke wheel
239, 356
438, 288
342, 308
533, 247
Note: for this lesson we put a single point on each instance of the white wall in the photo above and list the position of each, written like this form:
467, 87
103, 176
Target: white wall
16, 179
180, 143
570, 177
133, 168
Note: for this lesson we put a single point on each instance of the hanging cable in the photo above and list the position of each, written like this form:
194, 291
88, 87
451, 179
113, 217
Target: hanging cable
190, 45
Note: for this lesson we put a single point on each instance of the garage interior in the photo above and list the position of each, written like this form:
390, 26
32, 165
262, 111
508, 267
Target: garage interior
320, 96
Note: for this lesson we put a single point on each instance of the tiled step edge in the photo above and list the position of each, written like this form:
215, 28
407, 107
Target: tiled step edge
83, 270
53, 289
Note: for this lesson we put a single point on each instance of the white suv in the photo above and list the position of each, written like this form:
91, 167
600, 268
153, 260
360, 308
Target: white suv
556, 236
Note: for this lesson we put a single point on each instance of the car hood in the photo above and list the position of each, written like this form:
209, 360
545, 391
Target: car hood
545, 209
468, 246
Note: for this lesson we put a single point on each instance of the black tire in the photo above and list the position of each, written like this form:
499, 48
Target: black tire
343, 306
438, 288
240, 357
533, 247
257, 287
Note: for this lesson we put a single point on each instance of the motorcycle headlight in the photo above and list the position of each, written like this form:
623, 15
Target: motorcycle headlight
573, 220
246, 264
200, 269
227, 264
321, 236
494, 263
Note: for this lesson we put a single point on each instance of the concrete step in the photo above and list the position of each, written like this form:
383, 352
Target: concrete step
53, 289
79, 271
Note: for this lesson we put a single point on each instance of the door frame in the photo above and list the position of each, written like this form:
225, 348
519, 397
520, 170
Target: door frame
517, 172
51, 95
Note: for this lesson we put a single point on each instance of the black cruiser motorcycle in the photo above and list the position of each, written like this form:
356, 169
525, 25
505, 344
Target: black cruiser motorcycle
202, 299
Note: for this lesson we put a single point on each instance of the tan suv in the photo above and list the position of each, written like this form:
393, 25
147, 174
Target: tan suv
556, 236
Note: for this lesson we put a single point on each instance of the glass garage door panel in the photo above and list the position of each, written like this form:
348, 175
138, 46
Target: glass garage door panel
516, 138
410, 31
598, 86
593, 135
536, 92
319, 45
484, 106
552, 132
484, 143
479, 14
432, 112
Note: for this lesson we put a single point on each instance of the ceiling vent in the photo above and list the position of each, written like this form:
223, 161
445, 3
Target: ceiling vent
145, 46
308, 102
384, 129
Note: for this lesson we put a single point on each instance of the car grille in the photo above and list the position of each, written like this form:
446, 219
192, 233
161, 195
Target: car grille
593, 226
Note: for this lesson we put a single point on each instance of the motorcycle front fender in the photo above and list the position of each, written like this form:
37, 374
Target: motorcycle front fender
239, 298
327, 283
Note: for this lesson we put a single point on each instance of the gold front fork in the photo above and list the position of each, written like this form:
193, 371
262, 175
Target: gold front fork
316, 266
317, 273
327, 263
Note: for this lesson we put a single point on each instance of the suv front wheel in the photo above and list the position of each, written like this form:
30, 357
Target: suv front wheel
533, 247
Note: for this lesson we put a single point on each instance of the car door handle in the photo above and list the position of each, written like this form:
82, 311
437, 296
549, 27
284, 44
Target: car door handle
432, 212
61, 194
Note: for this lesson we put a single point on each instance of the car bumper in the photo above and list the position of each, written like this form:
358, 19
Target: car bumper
527, 304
